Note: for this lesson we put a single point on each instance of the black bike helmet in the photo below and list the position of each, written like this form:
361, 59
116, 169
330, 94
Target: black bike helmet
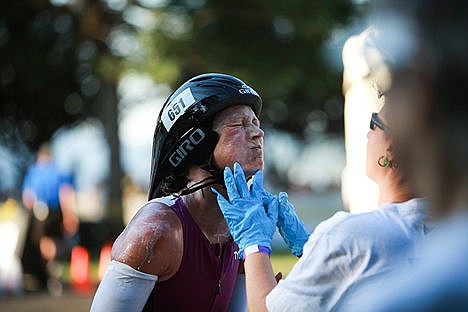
184, 135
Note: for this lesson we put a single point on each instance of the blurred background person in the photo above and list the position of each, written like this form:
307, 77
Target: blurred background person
48, 194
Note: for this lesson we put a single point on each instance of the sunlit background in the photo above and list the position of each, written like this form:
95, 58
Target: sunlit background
91, 77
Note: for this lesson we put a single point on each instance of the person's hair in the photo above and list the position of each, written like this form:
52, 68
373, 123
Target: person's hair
44, 148
175, 182
434, 74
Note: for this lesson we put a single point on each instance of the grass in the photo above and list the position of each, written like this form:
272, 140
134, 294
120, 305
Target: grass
282, 262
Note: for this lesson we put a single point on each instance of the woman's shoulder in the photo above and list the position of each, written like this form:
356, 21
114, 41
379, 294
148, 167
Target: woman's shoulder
386, 219
154, 226
341, 221
154, 212
349, 225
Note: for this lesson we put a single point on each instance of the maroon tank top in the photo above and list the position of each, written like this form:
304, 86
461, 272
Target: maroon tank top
206, 276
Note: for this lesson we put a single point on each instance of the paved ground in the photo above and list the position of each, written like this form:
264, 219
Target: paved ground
71, 300
40, 302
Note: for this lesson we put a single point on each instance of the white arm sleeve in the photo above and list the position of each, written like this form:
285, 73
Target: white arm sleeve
123, 289
238, 301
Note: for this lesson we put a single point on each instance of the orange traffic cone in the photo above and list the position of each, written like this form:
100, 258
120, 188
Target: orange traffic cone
79, 270
104, 260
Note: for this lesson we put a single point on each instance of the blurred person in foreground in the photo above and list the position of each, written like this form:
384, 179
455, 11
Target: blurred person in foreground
49, 194
176, 254
427, 40
343, 252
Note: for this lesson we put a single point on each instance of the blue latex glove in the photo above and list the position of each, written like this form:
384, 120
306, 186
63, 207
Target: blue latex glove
245, 213
290, 226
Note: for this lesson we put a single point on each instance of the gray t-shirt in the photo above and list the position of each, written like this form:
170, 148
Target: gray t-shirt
348, 250
439, 282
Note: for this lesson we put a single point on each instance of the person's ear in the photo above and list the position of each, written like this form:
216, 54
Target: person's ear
389, 153
392, 162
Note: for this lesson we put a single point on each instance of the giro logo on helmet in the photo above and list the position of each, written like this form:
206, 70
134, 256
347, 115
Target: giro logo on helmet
187, 145
176, 108
247, 90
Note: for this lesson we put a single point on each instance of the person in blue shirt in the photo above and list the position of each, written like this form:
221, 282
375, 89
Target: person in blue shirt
49, 194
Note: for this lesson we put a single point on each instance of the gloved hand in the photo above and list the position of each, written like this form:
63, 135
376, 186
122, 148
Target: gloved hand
290, 226
245, 213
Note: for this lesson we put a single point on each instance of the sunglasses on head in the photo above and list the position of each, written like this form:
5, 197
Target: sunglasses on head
376, 122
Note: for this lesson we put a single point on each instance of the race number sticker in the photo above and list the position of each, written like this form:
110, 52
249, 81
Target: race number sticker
176, 108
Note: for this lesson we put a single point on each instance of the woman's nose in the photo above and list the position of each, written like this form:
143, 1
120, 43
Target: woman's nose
257, 132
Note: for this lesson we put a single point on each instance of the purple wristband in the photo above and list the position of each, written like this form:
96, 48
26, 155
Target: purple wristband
255, 248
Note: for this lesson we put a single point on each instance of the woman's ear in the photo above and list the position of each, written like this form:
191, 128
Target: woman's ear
391, 157
389, 152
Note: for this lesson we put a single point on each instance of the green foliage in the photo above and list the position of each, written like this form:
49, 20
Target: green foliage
282, 262
37, 61
274, 46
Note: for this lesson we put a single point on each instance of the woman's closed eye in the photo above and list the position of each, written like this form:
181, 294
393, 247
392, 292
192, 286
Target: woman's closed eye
234, 125
245, 123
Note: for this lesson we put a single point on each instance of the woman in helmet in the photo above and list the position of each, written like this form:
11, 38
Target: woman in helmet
177, 254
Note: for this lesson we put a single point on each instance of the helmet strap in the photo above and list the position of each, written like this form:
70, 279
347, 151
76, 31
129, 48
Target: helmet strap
199, 185
215, 178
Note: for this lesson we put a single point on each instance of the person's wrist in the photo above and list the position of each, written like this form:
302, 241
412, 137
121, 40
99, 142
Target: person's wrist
254, 249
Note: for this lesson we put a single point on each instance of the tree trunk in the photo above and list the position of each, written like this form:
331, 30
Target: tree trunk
110, 117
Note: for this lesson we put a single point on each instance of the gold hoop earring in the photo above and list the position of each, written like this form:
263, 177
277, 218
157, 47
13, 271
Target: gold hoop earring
385, 162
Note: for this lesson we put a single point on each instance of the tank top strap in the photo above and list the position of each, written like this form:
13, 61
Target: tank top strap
178, 206
181, 210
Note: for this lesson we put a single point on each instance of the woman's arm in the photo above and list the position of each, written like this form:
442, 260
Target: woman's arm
148, 250
123, 289
259, 279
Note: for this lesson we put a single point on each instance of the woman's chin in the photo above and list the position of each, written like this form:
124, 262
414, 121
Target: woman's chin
249, 171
